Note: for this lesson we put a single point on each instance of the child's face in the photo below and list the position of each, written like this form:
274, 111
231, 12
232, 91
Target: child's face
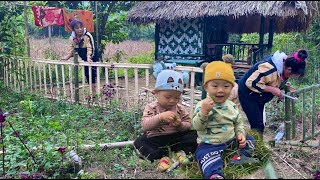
220, 89
78, 29
168, 99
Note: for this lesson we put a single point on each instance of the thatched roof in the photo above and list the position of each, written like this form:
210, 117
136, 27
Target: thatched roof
242, 16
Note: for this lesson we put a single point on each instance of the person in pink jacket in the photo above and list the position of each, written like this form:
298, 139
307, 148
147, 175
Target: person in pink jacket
166, 124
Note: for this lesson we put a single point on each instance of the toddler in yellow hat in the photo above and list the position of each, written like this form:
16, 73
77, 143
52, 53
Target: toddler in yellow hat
219, 122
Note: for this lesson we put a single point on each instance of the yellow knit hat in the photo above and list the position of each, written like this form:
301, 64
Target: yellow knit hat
219, 70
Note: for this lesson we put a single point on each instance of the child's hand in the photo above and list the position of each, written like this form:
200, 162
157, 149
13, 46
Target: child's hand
207, 105
176, 122
242, 140
167, 116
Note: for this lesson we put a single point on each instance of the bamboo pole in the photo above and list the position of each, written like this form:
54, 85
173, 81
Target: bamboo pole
26, 26
50, 77
97, 25
147, 78
136, 84
63, 82
313, 112
26, 73
57, 80
303, 116
117, 82
287, 114
30, 73
107, 75
83, 84
71, 84
40, 77
126, 86
98, 85
45, 79
76, 77
192, 89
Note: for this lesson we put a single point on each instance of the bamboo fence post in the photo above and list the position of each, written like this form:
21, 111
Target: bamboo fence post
50, 77
76, 77
90, 81
63, 81
98, 84
313, 112
136, 84
70, 83
147, 78
45, 79
83, 84
117, 82
57, 80
192, 88
40, 77
30, 74
126, 86
293, 120
107, 75
303, 115
26, 73
287, 114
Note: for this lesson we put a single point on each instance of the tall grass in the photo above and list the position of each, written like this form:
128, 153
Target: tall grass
41, 48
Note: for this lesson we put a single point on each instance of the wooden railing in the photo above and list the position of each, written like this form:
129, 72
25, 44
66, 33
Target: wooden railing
129, 84
243, 53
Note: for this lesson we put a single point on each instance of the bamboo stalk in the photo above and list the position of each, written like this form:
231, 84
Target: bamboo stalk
192, 88
26, 72
313, 112
98, 89
83, 84
63, 81
57, 80
71, 84
136, 84
126, 86
107, 75
117, 82
50, 77
303, 115
90, 81
45, 79
147, 78
15, 81
40, 81
30, 74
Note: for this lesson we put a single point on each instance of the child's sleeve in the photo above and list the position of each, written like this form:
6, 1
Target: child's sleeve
265, 74
238, 124
199, 121
150, 120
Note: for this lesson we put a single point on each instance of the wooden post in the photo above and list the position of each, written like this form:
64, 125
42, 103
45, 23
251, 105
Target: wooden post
271, 31
97, 25
157, 39
261, 34
76, 77
26, 26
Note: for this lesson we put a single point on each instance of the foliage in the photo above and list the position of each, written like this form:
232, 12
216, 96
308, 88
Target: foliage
12, 29
136, 32
45, 125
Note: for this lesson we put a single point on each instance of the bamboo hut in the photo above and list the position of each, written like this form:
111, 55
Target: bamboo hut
198, 30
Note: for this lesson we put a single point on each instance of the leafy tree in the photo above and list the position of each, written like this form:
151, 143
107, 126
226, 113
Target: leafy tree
12, 29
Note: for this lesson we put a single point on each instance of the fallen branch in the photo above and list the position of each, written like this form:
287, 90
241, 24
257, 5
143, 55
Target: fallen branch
289, 165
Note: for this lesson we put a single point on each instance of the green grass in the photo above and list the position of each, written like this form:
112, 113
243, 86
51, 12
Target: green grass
230, 171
